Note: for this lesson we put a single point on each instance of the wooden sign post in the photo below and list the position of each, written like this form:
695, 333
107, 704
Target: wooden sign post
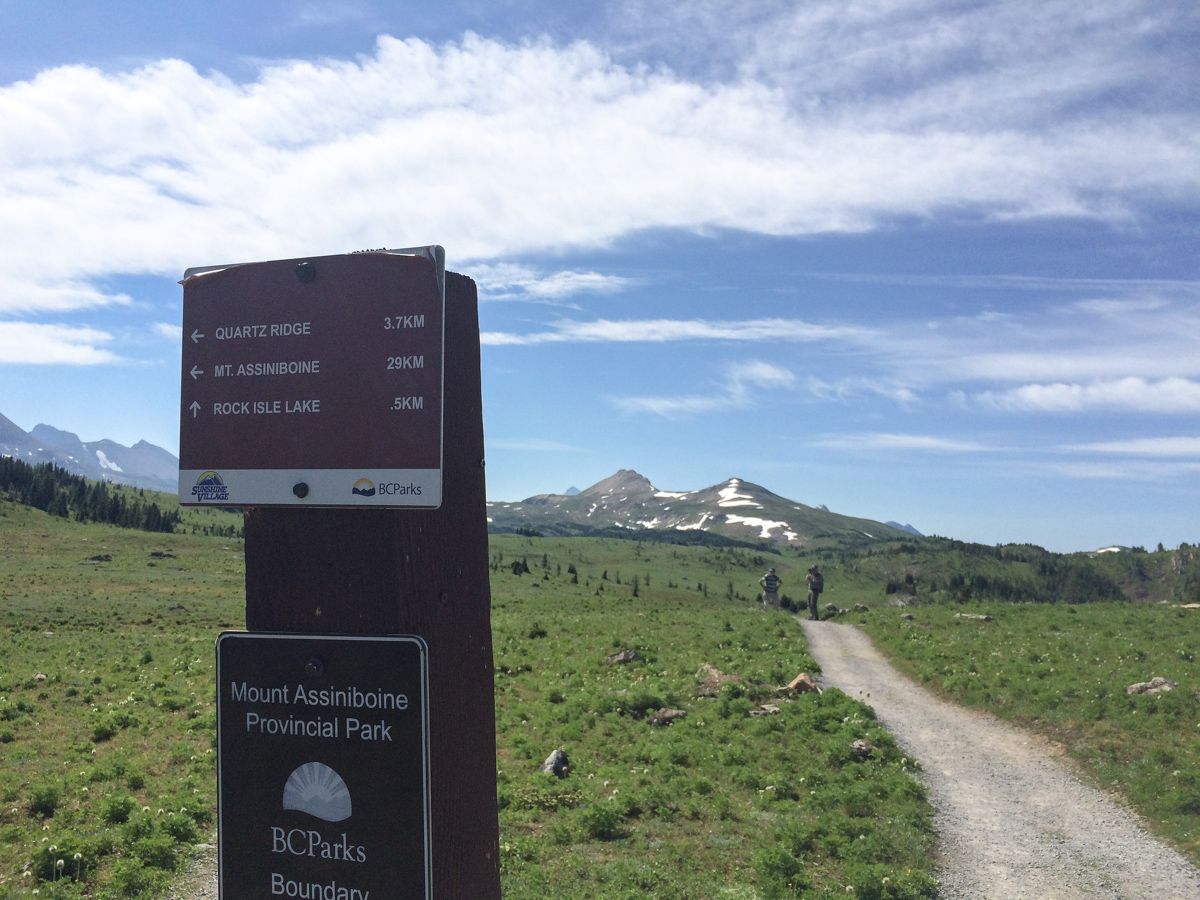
407, 571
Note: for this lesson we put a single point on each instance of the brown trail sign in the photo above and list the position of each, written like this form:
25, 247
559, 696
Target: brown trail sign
408, 571
314, 382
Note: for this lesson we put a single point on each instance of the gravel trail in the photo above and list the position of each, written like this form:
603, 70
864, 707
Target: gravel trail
1012, 820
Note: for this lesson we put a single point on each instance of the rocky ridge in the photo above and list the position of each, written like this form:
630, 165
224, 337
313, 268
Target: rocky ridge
735, 509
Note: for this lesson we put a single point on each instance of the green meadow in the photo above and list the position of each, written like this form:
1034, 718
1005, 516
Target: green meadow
107, 722
106, 701
722, 802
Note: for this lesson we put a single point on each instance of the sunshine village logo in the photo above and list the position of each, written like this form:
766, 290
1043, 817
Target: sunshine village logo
210, 487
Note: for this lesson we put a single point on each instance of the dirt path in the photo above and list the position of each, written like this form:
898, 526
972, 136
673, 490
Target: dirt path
1012, 821
199, 881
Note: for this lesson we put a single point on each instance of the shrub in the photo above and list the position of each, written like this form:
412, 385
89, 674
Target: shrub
138, 827
43, 800
132, 879
600, 821
642, 702
543, 792
156, 852
181, 828
779, 873
118, 808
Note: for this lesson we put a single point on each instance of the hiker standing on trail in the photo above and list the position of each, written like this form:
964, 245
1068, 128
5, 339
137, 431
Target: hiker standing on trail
770, 585
816, 584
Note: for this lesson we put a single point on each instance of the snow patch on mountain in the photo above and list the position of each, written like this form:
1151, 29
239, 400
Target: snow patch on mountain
730, 497
106, 463
765, 525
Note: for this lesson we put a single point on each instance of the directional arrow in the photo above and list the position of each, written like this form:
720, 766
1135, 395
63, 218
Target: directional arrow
196, 336
196, 372
195, 408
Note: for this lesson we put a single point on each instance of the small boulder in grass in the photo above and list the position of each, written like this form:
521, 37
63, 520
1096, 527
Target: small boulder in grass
709, 679
803, 684
666, 716
557, 764
862, 749
1156, 685
623, 657
767, 709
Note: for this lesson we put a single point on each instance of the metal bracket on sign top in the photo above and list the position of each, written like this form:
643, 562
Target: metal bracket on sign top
435, 253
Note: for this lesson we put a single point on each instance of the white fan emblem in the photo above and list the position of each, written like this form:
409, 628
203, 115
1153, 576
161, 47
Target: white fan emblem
316, 789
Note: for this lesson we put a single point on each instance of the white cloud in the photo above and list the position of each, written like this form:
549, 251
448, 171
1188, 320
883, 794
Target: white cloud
1167, 395
1127, 350
168, 330
512, 281
738, 389
534, 445
894, 441
24, 291
497, 149
674, 407
1124, 471
1154, 446
29, 342
844, 389
1043, 284
667, 330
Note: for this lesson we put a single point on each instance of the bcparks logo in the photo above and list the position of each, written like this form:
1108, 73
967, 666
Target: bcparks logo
365, 487
210, 487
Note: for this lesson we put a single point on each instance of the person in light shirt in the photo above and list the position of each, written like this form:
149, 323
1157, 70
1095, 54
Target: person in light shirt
770, 585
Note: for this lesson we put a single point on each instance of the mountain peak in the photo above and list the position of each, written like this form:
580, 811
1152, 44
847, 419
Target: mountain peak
734, 509
625, 481
56, 437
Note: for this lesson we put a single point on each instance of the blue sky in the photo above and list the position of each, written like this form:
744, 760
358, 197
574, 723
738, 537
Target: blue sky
921, 260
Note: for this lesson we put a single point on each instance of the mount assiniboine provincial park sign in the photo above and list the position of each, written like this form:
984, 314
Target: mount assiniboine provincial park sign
314, 382
323, 767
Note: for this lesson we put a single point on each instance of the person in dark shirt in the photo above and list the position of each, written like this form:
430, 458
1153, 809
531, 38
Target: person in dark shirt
816, 584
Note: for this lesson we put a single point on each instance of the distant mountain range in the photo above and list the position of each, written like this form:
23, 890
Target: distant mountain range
623, 503
735, 509
142, 465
